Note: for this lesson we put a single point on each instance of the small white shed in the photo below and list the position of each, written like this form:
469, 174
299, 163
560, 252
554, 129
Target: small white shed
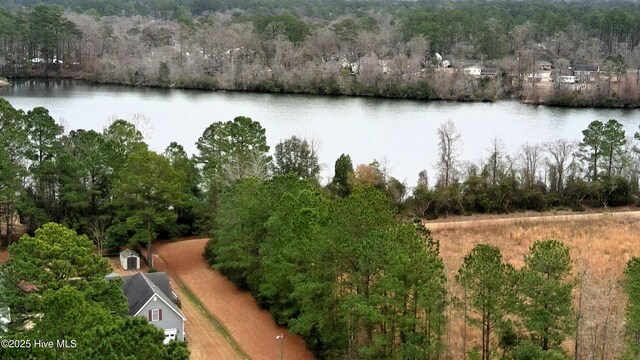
129, 260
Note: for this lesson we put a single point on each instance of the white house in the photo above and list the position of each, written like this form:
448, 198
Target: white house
473, 71
566, 79
150, 296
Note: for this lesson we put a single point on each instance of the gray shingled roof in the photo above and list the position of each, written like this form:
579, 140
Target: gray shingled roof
139, 288
161, 280
592, 68
128, 252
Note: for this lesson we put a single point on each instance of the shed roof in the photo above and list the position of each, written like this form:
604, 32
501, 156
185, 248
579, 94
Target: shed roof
128, 252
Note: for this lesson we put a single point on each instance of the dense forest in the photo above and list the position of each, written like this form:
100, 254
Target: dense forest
370, 48
342, 264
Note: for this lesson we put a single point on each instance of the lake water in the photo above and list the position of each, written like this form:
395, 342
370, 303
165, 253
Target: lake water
398, 133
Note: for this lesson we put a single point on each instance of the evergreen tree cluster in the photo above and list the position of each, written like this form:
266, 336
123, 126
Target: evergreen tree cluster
527, 312
342, 272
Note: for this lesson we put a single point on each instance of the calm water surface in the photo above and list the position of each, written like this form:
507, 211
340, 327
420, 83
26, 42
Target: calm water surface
400, 133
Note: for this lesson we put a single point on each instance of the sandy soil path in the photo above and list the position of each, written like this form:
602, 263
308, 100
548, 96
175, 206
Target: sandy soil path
457, 224
252, 329
205, 340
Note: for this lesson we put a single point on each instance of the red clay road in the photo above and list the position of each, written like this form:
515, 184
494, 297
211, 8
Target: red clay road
252, 328
205, 340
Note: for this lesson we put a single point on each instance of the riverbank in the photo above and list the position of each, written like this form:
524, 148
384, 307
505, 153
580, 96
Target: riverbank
421, 90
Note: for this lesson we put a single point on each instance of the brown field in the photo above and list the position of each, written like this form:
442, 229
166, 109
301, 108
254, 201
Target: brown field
601, 245
252, 328
4, 256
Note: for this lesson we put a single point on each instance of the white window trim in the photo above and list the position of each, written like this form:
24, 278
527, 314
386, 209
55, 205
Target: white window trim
155, 314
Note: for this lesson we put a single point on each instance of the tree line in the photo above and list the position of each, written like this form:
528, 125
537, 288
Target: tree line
352, 48
601, 170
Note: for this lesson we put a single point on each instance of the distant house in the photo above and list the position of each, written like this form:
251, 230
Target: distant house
564, 76
150, 295
543, 65
585, 69
473, 70
586, 73
566, 79
129, 260
489, 72
534, 77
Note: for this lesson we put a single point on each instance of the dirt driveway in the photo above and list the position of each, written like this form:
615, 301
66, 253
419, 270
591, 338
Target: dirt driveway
252, 329
205, 340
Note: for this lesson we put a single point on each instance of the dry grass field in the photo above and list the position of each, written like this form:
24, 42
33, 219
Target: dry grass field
600, 248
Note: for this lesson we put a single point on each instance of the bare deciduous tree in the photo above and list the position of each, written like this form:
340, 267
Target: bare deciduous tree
449, 139
561, 152
530, 156
495, 163
97, 231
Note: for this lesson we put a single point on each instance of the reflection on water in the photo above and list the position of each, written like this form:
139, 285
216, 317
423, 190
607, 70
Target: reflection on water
401, 133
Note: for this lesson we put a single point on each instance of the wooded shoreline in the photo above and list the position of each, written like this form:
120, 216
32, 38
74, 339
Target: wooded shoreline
605, 104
